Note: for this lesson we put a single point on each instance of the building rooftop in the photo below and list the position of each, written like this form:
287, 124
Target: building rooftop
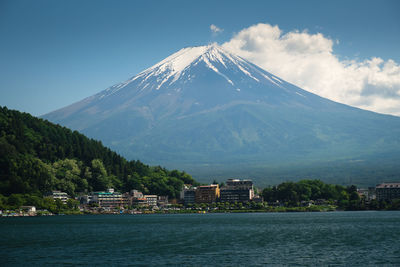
208, 186
388, 185
107, 193
58, 192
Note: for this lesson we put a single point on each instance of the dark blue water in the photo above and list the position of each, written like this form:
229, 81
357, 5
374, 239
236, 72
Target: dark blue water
302, 239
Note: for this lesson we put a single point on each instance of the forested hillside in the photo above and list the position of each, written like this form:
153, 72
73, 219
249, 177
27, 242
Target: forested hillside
37, 156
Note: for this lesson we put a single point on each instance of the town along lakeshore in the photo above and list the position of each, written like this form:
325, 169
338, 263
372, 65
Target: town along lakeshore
234, 196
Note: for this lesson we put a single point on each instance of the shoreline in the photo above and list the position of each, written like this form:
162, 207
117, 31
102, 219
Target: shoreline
13, 215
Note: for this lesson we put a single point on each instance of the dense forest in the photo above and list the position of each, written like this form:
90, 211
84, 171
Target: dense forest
305, 190
37, 156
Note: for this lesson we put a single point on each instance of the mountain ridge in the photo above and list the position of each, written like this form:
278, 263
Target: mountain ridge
204, 105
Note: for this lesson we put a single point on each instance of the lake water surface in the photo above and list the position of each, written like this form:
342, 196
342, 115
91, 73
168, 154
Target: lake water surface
247, 239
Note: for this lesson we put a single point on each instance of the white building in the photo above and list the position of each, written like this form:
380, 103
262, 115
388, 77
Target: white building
108, 199
151, 200
30, 210
60, 195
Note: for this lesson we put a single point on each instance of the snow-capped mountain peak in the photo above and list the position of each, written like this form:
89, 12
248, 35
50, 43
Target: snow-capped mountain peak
215, 58
175, 65
180, 60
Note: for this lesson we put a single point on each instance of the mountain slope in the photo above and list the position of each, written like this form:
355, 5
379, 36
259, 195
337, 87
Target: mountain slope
203, 106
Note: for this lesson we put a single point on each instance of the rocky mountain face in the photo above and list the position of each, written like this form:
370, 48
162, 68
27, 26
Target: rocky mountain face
211, 113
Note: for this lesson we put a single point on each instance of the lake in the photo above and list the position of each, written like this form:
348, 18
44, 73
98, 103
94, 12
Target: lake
365, 238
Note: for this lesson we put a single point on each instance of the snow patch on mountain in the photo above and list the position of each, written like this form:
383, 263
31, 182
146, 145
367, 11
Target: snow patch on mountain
173, 68
211, 66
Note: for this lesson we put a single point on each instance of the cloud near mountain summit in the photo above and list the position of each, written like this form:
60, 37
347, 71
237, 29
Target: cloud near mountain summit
308, 61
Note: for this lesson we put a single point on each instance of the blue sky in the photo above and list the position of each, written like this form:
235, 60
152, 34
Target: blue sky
54, 53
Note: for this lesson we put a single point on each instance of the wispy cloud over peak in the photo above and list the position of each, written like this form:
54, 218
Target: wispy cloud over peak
215, 30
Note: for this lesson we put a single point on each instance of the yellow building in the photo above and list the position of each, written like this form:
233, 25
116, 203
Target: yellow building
207, 193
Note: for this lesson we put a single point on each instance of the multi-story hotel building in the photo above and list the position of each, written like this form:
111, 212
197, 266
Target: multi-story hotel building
188, 194
108, 199
237, 190
207, 193
60, 195
387, 191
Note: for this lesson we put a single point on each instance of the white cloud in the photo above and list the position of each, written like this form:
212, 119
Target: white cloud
308, 60
215, 30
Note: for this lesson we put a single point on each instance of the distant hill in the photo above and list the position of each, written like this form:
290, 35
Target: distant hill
215, 114
37, 156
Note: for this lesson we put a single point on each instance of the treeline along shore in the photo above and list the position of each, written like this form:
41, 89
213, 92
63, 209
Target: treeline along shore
303, 196
39, 159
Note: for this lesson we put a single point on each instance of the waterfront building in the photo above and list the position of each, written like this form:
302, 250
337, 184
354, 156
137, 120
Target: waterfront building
126, 199
188, 194
136, 194
367, 194
85, 199
371, 193
60, 195
237, 190
207, 193
388, 191
162, 200
139, 201
30, 210
137, 198
184, 187
108, 199
151, 200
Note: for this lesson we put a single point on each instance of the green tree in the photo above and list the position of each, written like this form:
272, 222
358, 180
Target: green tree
100, 180
3, 202
49, 204
354, 196
33, 200
15, 201
72, 204
67, 173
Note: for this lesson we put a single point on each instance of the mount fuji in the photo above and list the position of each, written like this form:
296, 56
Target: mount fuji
215, 114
